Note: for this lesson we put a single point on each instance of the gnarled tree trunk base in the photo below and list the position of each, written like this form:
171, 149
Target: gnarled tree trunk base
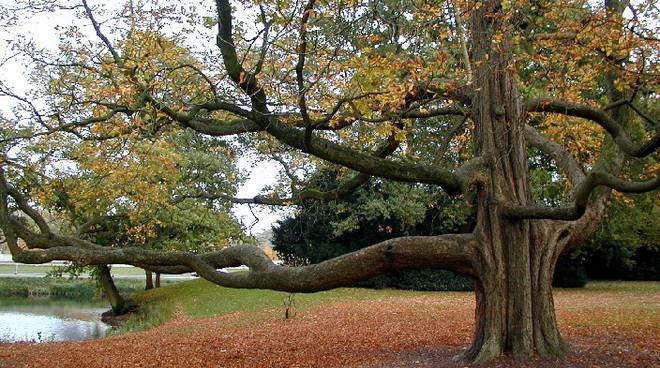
515, 311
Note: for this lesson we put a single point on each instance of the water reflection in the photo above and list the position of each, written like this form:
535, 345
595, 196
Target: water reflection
40, 320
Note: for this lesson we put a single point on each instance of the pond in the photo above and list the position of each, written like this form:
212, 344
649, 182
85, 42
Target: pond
44, 319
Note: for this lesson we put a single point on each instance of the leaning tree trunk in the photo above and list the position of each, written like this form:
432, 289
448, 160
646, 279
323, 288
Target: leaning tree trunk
516, 258
149, 284
116, 300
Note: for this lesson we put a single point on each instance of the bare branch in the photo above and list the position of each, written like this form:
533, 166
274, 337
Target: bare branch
222, 128
264, 44
287, 169
245, 80
99, 33
199, 72
259, 199
98, 220
346, 188
462, 42
23, 204
450, 90
452, 252
300, 65
7, 191
71, 126
558, 36
644, 116
366, 163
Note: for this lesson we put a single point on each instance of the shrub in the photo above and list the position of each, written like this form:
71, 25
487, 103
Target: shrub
422, 280
569, 273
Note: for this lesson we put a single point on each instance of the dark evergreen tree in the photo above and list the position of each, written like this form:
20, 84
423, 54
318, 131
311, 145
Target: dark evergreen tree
311, 236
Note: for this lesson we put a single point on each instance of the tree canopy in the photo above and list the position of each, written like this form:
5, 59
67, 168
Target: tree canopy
452, 94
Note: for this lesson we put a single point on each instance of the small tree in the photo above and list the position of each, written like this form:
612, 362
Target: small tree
141, 199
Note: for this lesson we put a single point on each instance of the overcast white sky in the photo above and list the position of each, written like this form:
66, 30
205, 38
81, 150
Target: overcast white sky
42, 30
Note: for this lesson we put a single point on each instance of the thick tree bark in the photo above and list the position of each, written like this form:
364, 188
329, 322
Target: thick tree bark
516, 258
116, 300
157, 283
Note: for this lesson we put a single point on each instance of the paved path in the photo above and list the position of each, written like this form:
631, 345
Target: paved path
83, 276
5, 259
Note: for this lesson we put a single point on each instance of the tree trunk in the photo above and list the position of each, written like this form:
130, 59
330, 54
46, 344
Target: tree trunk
515, 309
150, 280
157, 279
116, 300
515, 261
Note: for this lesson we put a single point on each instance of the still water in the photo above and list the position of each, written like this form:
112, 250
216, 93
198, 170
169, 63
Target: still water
43, 319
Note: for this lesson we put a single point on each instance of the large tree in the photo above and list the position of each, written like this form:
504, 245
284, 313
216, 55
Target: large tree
366, 85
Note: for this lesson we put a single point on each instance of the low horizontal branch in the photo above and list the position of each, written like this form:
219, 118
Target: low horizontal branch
453, 252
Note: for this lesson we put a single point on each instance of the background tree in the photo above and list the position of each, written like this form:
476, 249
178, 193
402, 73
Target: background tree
626, 245
378, 211
137, 192
361, 85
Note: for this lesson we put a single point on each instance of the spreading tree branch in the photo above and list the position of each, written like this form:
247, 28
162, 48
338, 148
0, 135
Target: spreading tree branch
86, 226
344, 189
614, 128
454, 252
322, 148
300, 66
581, 197
104, 39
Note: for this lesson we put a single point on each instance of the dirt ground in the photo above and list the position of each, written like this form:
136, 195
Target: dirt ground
603, 329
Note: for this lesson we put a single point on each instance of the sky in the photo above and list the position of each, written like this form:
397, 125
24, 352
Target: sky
42, 28
265, 173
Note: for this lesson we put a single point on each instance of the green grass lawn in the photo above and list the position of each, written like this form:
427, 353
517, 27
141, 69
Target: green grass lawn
643, 287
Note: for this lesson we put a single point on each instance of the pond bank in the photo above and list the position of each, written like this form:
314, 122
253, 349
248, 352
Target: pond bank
38, 319
61, 287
